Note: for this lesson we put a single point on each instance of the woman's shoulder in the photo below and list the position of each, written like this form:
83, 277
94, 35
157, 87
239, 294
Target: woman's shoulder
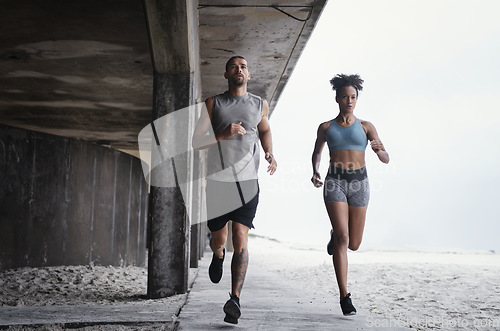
368, 126
323, 128
325, 125
365, 123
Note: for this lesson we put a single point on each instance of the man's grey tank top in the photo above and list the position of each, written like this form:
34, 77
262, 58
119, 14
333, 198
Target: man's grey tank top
236, 158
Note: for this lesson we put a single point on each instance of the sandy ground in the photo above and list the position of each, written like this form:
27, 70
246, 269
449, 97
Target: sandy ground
422, 290
72, 285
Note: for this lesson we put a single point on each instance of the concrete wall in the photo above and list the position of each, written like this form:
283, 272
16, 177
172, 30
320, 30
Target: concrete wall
69, 202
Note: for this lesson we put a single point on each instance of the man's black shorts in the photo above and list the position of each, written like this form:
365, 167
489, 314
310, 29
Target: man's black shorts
239, 201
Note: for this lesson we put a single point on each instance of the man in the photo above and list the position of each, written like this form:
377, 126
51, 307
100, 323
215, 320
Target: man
239, 120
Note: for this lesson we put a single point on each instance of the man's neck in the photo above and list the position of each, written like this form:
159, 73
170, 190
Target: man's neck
237, 91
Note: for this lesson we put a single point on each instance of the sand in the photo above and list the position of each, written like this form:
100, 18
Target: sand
71, 285
422, 290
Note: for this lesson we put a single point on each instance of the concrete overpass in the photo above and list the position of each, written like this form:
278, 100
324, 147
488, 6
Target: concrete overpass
80, 79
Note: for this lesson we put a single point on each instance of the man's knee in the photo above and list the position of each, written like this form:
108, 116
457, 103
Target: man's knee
240, 238
240, 242
218, 238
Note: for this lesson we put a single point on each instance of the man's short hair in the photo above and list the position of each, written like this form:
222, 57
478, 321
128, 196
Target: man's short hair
231, 59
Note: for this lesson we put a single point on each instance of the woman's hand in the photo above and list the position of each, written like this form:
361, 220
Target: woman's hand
377, 145
316, 179
379, 149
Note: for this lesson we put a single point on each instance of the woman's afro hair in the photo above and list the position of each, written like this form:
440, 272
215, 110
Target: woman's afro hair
341, 80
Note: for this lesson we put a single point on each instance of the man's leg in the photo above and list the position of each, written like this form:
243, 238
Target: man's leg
239, 263
239, 266
217, 242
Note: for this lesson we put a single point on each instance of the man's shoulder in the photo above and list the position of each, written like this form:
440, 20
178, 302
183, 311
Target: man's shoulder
220, 95
254, 96
226, 96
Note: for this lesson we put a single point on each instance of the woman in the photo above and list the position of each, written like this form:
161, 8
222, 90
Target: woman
346, 191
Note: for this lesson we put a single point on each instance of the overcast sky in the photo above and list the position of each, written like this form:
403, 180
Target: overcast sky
432, 90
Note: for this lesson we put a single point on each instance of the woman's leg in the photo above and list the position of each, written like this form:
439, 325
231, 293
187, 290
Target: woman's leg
357, 217
339, 217
348, 224
360, 195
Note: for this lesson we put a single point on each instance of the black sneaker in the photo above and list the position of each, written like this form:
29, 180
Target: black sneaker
215, 269
232, 310
329, 247
346, 305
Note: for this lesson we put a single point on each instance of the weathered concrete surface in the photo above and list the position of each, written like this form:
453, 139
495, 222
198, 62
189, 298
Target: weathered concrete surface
77, 68
82, 68
270, 35
170, 26
139, 315
87, 315
268, 303
68, 202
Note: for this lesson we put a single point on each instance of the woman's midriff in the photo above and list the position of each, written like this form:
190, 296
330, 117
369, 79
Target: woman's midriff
350, 160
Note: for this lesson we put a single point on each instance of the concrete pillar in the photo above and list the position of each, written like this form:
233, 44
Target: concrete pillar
197, 212
195, 242
204, 238
168, 252
172, 27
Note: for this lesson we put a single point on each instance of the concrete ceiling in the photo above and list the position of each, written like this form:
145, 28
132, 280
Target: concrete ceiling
82, 68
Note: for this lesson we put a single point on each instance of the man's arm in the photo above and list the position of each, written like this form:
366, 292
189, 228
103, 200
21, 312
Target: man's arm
201, 139
266, 138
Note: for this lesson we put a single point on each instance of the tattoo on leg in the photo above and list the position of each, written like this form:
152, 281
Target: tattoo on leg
239, 265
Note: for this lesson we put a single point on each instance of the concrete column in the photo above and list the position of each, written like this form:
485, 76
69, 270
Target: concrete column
170, 26
197, 239
204, 235
195, 242
168, 252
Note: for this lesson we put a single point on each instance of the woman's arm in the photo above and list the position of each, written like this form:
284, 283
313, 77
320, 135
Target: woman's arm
375, 142
316, 156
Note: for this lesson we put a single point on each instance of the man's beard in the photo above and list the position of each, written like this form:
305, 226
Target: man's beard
237, 82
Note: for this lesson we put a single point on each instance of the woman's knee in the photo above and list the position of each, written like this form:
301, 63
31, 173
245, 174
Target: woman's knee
354, 244
341, 238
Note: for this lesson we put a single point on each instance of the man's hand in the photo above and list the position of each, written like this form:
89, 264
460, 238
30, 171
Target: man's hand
236, 128
271, 169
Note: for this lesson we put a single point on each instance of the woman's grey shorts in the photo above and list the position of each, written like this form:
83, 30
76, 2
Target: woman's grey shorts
351, 186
